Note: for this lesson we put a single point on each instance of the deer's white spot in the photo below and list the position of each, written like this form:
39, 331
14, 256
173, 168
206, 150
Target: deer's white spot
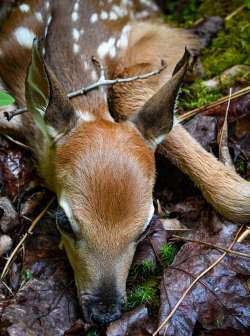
86, 66
120, 11
47, 5
76, 34
24, 8
86, 116
113, 16
142, 15
123, 40
106, 47
104, 15
39, 17
74, 16
76, 6
82, 31
93, 75
112, 51
24, 37
76, 48
93, 18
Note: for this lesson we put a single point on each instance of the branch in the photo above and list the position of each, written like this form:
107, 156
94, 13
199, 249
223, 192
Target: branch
187, 291
101, 82
220, 248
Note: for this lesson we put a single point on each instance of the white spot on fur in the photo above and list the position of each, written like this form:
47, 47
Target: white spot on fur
24, 37
76, 34
82, 31
93, 75
86, 66
113, 16
142, 15
93, 18
75, 16
104, 15
123, 40
76, 6
47, 5
76, 48
86, 116
39, 17
120, 11
24, 8
106, 47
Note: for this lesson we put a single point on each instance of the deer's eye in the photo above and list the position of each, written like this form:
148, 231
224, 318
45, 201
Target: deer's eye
63, 222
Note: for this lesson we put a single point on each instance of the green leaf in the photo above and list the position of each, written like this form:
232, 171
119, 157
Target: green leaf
6, 99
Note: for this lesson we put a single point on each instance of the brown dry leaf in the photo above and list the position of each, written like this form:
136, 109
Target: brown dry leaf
46, 302
16, 169
136, 323
220, 300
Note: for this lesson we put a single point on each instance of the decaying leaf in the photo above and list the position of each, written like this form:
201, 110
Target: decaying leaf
220, 300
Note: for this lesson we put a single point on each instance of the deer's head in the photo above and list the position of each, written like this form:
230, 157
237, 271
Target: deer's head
103, 173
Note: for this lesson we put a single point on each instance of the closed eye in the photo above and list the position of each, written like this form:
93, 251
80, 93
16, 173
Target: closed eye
63, 223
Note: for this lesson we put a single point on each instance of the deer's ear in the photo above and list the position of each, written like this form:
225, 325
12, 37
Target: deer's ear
46, 99
155, 119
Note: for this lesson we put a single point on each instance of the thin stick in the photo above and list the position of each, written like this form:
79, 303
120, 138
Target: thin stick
101, 82
29, 232
216, 262
192, 113
235, 12
240, 254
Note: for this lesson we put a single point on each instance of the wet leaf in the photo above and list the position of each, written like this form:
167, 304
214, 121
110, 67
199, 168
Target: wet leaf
219, 300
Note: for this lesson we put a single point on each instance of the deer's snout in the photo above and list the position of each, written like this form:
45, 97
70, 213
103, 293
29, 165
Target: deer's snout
102, 310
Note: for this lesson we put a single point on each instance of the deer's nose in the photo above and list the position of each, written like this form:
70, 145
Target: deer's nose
103, 314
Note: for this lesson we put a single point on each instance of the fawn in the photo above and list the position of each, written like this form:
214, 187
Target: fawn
96, 151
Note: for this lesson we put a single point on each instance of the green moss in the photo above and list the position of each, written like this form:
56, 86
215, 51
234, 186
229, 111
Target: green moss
145, 293
183, 13
168, 252
230, 47
219, 7
197, 95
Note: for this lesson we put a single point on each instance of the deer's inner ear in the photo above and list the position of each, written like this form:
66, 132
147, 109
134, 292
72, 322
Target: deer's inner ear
45, 98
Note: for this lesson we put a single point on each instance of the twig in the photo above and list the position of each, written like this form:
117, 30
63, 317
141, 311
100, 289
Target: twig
101, 82
240, 254
224, 154
235, 12
192, 113
216, 262
29, 232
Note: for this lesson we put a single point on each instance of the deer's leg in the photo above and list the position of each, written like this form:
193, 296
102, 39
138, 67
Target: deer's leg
228, 193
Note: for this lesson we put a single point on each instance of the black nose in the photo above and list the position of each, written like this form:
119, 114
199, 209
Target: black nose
102, 314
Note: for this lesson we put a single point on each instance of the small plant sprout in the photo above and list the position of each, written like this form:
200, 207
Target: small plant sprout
168, 253
145, 293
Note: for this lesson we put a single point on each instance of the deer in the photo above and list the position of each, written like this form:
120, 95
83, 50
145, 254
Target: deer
96, 151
